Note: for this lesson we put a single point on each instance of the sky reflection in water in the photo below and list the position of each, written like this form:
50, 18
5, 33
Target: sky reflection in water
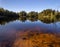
9, 29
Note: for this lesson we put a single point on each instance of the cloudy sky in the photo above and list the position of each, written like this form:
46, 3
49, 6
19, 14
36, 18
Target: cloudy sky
30, 5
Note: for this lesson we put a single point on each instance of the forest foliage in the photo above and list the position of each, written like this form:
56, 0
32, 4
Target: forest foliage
46, 16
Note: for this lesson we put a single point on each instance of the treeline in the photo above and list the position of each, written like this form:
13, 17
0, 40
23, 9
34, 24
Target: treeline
49, 15
46, 16
7, 15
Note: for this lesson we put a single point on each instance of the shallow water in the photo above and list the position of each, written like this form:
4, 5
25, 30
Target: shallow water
9, 29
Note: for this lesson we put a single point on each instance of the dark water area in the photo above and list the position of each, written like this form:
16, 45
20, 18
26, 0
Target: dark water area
9, 29
17, 25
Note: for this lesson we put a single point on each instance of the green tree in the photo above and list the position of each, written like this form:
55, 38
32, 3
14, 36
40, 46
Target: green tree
22, 14
33, 15
58, 16
47, 15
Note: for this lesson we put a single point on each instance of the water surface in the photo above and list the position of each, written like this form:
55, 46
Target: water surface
8, 30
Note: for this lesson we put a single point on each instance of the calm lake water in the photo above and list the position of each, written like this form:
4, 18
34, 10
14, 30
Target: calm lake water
8, 30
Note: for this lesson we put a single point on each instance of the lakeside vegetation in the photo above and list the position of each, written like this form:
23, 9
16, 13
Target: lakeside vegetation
46, 16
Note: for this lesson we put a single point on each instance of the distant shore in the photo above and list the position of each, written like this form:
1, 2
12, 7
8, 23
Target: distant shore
46, 16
